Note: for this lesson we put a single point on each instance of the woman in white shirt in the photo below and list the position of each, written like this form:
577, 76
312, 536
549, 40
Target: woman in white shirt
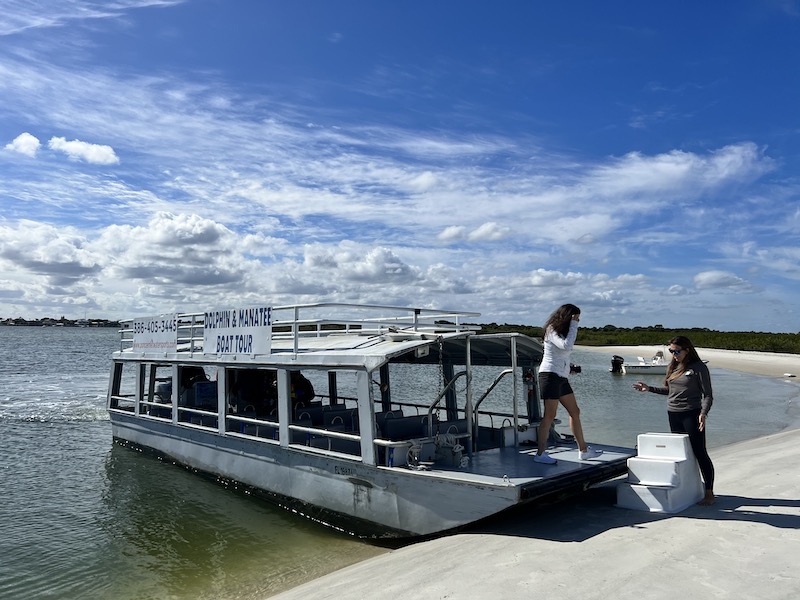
560, 332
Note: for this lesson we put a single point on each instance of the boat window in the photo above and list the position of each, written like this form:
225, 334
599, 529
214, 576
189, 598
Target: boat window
252, 391
123, 387
154, 394
197, 396
157, 391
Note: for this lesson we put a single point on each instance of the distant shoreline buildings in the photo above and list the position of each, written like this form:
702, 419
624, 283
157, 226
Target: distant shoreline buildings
62, 322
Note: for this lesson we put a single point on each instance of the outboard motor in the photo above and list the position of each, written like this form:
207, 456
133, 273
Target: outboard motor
616, 364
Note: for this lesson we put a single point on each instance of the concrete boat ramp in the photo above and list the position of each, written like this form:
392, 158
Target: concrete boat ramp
746, 545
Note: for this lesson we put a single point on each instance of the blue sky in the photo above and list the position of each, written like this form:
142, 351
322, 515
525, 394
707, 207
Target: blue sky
638, 159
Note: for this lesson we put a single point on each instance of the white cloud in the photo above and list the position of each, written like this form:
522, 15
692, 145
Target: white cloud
57, 256
357, 264
91, 153
489, 232
676, 290
26, 144
452, 233
545, 278
678, 173
718, 279
422, 182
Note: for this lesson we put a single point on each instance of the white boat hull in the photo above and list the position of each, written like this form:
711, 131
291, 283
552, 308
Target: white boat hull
377, 501
631, 369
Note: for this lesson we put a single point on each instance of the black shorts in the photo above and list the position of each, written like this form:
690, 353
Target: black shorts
552, 386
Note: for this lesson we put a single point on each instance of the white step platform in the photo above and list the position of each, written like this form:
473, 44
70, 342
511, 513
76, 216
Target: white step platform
663, 477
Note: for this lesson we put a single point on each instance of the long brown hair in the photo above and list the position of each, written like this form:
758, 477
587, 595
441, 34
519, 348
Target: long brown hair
560, 320
676, 368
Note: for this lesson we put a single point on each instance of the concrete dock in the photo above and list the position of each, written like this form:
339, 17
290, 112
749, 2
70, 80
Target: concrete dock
746, 545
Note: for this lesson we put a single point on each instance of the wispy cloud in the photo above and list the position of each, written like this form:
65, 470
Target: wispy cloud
22, 15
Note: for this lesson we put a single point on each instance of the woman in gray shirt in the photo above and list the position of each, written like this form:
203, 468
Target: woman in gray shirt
689, 398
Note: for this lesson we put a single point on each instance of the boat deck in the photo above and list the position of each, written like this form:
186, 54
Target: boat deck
515, 466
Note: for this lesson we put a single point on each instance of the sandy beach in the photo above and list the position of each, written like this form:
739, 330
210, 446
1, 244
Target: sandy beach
769, 364
586, 547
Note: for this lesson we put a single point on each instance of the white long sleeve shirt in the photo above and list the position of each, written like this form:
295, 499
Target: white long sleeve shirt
557, 350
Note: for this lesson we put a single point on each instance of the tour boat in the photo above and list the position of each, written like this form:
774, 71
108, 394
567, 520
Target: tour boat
379, 421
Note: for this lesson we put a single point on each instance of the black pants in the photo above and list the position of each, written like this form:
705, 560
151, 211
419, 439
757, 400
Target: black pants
689, 422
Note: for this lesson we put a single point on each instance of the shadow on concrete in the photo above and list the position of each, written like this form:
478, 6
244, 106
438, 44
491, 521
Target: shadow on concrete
594, 512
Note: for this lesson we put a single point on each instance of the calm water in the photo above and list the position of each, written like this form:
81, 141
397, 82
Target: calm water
82, 518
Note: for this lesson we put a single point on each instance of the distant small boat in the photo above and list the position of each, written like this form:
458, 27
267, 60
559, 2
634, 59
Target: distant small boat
655, 366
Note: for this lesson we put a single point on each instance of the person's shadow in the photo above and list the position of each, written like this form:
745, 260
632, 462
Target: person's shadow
594, 512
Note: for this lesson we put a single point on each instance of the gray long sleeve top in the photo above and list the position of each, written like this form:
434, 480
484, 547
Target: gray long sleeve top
689, 391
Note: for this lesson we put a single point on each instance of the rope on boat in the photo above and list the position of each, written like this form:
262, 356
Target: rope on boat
412, 458
448, 440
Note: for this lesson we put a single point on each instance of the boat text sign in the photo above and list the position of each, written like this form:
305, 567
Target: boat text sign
155, 333
238, 331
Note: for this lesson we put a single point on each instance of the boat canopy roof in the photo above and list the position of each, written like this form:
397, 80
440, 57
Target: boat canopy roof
291, 337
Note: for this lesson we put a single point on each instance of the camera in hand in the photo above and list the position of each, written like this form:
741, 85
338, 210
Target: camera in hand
574, 368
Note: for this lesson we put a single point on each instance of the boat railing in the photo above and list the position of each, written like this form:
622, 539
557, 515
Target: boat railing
494, 383
125, 402
205, 418
294, 322
341, 435
476, 409
348, 447
441, 395
246, 425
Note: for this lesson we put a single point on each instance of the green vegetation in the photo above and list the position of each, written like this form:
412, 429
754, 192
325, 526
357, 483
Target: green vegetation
610, 335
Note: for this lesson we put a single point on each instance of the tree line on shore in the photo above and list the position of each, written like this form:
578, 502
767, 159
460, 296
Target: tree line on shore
608, 335
62, 322
656, 335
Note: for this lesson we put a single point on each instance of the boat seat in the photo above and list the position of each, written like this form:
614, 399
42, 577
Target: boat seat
347, 418
381, 417
164, 392
406, 428
455, 427
205, 395
312, 411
